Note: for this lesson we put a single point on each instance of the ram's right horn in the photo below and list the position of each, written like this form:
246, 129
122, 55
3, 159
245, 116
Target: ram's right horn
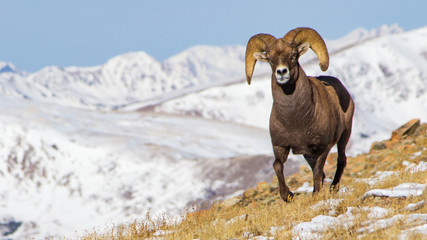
257, 43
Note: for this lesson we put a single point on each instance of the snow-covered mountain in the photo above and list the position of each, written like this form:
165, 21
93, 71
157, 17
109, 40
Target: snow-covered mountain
136, 79
361, 34
71, 164
128, 78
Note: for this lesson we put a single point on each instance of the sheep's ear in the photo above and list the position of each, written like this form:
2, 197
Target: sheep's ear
303, 48
260, 56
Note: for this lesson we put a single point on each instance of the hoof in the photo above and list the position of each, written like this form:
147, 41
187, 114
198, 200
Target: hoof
289, 197
334, 188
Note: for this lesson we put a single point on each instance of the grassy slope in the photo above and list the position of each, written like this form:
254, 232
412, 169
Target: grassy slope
261, 214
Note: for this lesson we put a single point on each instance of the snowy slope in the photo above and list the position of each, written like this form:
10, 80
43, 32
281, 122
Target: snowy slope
387, 77
359, 35
69, 170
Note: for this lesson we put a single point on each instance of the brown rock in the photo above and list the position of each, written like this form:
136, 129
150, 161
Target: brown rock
405, 130
392, 144
378, 146
390, 158
265, 194
249, 193
262, 186
274, 184
231, 202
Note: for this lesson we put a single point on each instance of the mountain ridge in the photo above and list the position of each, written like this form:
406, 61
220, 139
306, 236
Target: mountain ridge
138, 77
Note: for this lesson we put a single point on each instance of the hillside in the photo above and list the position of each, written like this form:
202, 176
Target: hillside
113, 165
382, 195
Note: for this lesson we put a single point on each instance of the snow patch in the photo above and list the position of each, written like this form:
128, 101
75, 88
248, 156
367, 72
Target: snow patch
420, 167
305, 188
402, 190
374, 225
407, 234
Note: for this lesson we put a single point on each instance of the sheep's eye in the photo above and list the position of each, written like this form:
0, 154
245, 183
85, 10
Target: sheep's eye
293, 57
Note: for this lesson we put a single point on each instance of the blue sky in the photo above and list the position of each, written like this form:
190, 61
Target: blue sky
35, 34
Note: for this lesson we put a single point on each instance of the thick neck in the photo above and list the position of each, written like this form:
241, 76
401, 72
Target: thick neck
294, 99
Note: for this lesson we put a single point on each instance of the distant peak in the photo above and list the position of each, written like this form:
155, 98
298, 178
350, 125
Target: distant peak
363, 34
133, 56
386, 29
6, 67
359, 35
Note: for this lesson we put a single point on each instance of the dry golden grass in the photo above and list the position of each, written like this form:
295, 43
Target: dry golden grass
255, 219
263, 213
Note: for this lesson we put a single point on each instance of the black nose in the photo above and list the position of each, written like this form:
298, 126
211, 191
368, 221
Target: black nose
282, 71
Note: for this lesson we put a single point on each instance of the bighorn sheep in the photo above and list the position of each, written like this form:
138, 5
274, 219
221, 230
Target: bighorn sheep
309, 114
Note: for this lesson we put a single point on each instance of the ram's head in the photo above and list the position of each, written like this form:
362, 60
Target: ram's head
283, 53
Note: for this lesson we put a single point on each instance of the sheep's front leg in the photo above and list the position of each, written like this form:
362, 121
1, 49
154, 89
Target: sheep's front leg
281, 155
318, 175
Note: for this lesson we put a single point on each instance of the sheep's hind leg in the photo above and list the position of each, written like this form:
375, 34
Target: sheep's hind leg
318, 174
341, 161
311, 160
281, 155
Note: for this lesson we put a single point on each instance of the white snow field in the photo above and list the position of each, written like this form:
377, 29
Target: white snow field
84, 147
66, 169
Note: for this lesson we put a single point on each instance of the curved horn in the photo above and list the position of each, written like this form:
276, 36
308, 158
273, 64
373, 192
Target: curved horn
301, 35
257, 43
